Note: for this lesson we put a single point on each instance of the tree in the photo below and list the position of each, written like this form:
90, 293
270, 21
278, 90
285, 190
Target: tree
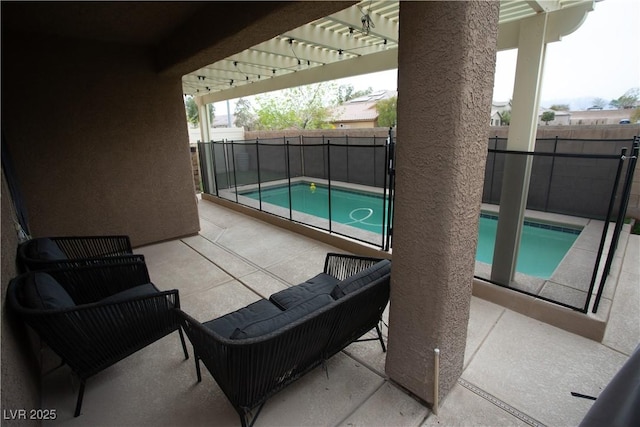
212, 113
628, 100
559, 107
244, 115
505, 117
191, 110
302, 107
548, 116
599, 103
387, 111
347, 93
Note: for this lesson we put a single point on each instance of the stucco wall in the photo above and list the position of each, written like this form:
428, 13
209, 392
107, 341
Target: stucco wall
604, 132
99, 139
20, 383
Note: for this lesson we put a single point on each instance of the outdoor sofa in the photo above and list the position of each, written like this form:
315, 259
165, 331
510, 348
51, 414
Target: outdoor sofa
94, 315
256, 351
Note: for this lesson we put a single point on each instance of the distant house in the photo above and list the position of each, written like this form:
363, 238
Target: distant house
360, 112
223, 121
498, 108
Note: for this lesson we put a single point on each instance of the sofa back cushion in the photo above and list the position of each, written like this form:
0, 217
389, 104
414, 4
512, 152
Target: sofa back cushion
41, 291
364, 277
273, 323
290, 297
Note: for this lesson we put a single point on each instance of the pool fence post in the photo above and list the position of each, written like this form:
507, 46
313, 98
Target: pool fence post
258, 170
329, 179
624, 202
346, 142
605, 229
288, 177
235, 176
553, 164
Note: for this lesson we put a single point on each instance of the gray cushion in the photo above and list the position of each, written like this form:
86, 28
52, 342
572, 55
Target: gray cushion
320, 284
41, 291
259, 310
364, 277
136, 291
273, 323
45, 249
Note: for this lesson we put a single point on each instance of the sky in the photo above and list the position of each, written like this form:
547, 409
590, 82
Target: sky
601, 59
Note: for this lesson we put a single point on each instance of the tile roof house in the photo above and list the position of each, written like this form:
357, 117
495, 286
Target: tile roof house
360, 112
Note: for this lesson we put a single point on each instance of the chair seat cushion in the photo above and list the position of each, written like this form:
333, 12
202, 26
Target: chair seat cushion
41, 291
259, 310
290, 297
136, 291
45, 249
273, 323
362, 278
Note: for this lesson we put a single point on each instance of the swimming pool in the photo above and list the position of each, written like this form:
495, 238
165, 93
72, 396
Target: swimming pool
355, 208
541, 249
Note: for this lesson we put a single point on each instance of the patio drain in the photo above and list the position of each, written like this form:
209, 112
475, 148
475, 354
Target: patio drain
500, 404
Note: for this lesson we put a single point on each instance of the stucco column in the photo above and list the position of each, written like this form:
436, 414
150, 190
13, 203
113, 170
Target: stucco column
446, 65
522, 137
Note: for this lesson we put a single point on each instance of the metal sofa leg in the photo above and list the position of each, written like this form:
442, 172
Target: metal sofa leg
198, 373
184, 345
80, 396
384, 349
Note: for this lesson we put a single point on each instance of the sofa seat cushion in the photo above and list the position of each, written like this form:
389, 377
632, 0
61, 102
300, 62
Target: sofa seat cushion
259, 310
290, 297
45, 249
362, 278
273, 323
136, 291
41, 291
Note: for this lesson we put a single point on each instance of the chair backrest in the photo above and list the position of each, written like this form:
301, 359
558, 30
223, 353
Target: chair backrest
59, 252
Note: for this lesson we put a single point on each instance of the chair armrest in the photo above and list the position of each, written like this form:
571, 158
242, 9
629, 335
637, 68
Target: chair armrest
94, 246
342, 266
90, 337
90, 283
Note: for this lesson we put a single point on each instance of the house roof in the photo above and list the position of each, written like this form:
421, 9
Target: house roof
361, 109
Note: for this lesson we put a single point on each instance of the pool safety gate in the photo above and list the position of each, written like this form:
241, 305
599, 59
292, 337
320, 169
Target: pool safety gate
576, 183
229, 168
577, 177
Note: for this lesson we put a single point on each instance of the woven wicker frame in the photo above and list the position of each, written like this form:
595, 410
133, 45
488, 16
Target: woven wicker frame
84, 250
250, 371
92, 336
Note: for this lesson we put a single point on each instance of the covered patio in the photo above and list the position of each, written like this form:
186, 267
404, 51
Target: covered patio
111, 157
510, 377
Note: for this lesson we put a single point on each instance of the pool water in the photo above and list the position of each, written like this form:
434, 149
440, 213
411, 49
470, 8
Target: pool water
542, 246
541, 249
349, 207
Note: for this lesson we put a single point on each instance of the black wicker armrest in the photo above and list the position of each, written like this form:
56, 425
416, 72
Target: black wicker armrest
91, 283
342, 266
94, 246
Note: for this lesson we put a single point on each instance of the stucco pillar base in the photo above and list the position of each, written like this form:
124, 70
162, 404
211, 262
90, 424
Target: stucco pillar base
446, 64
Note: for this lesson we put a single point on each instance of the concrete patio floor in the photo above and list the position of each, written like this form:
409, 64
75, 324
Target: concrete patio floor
517, 370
